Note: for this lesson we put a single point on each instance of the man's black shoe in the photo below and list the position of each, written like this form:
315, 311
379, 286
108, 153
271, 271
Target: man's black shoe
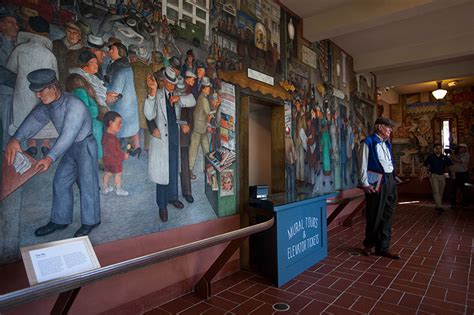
164, 214
85, 229
45, 151
49, 228
32, 151
439, 210
366, 251
189, 198
177, 204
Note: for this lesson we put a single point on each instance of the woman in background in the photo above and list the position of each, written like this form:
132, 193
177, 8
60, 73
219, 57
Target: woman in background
77, 85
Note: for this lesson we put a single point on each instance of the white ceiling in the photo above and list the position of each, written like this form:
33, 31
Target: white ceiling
403, 42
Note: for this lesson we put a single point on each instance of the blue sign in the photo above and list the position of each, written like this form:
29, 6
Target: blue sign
301, 237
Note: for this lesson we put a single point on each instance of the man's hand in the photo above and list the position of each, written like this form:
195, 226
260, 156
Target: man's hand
152, 85
368, 189
13, 146
111, 97
185, 129
156, 133
174, 99
44, 164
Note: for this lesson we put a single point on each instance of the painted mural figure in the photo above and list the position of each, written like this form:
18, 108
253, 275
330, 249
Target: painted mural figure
312, 150
326, 148
290, 160
186, 114
67, 50
76, 146
121, 75
199, 136
335, 149
300, 136
33, 52
141, 69
113, 154
160, 106
8, 33
78, 86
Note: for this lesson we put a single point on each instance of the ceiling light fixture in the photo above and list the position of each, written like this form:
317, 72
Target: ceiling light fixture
440, 93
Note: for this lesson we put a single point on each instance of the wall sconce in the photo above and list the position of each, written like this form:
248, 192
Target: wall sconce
439, 93
291, 36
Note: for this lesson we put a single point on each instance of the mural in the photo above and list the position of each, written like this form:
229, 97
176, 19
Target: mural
420, 126
160, 131
111, 56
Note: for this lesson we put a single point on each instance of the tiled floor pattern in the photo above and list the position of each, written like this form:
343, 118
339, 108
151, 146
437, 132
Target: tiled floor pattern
433, 277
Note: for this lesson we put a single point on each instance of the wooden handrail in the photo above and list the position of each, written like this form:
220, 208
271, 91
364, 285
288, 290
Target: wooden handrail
70, 286
73, 282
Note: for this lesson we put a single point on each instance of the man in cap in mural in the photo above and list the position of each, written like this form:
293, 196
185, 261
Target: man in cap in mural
8, 32
75, 144
436, 164
32, 52
376, 157
67, 50
200, 118
161, 107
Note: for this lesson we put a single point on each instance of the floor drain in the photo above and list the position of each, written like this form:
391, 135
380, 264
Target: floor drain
281, 307
354, 253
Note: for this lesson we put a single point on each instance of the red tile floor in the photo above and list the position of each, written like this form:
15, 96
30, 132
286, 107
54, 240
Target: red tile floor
433, 277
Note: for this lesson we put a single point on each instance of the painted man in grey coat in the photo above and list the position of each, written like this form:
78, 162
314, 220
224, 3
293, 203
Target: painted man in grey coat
8, 32
75, 144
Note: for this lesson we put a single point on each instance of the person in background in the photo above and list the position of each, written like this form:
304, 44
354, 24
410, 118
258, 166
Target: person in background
113, 155
67, 50
8, 33
75, 147
78, 86
33, 52
436, 164
376, 156
461, 169
290, 160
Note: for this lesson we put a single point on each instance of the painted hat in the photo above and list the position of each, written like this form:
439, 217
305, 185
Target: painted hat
175, 62
96, 42
38, 24
170, 75
85, 27
41, 78
205, 81
132, 49
112, 40
85, 56
190, 74
25, 13
143, 53
73, 26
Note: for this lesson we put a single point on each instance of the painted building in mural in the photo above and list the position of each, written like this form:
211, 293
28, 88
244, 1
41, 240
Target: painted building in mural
103, 53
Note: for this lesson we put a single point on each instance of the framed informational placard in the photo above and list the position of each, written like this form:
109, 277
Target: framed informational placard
309, 56
50, 261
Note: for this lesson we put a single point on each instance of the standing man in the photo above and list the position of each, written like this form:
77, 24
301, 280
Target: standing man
75, 144
376, 156
436, 164
200, 119
164, 145
461, 167
8, 32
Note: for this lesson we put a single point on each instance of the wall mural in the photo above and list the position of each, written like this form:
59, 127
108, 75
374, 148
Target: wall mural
174, 151
420, 126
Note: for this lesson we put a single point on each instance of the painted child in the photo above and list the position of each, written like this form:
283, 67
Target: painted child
113, 155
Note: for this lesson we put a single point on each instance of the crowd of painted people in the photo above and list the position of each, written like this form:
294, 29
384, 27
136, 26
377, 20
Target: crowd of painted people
128, 92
